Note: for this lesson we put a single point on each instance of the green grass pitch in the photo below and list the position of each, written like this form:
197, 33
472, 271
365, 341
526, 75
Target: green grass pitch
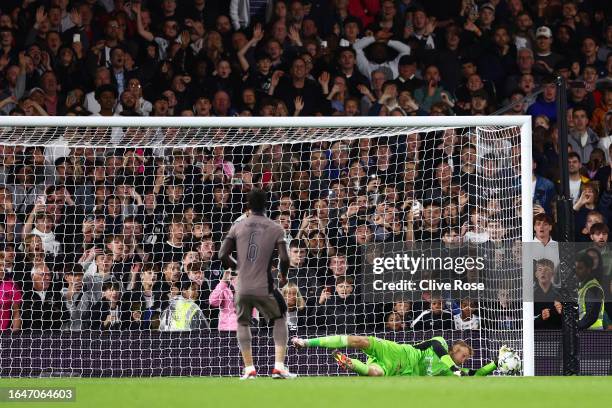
334, 392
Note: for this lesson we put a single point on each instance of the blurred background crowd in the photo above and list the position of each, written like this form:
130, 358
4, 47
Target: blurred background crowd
120, 238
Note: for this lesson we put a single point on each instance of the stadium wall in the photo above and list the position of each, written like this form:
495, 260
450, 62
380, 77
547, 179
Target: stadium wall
144, 354
151, 354
595, 353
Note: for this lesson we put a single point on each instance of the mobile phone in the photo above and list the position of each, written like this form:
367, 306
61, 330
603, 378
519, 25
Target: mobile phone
323, 44
76, 38
416, 208
539, 195
473, 15
41, 199
408, 23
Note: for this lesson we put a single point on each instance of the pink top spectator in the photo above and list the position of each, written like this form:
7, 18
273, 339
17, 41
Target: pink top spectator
9, 295
223, 297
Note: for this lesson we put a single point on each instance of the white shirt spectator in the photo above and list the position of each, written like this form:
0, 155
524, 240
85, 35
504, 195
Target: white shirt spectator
473, 323
550, 251
50, 244
91, 104
604, 144
366, 67
575, 186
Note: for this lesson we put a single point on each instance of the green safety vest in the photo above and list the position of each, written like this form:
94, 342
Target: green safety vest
183, 313
593, 283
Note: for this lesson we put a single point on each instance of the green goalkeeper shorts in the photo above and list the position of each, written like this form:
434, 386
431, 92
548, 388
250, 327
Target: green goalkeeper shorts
393, 358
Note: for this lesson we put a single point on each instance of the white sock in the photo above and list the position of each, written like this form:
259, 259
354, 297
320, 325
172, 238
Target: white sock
248, 369
279, 366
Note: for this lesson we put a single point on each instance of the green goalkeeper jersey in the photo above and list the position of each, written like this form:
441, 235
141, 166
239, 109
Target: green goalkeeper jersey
404, 359
429, 363
428, 358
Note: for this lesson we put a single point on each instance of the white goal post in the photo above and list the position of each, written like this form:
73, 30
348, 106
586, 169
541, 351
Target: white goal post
166, 134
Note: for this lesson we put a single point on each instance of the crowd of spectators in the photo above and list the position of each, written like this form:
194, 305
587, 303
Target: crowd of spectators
301, 57
121, 238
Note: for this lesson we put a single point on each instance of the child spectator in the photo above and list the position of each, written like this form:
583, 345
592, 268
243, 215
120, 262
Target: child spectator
72, 292
394, 322
106, 314
465, 318
296, 306
339, 309
222, 297
434, 318
143, 302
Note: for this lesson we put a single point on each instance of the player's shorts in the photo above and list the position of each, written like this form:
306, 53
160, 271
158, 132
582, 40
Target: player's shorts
393, 358
271, 306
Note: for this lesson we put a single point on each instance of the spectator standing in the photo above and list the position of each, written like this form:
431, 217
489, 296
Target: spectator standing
11, 296
244, 12
591, 304
182, 314
545, 59
339, 310
296, 306
106, 314
545, 104
466, 318
288, 88
222, 297
582, 138
434, 318
379, 56
547, 299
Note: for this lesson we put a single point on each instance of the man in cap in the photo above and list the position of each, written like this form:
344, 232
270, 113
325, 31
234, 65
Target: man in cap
545, 58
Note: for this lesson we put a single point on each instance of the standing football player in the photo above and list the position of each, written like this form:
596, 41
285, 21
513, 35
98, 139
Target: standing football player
254, 239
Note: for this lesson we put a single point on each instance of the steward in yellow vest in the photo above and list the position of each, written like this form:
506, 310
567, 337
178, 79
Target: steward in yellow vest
183, 314
591, 303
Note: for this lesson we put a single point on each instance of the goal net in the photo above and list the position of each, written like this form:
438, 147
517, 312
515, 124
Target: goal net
110, 230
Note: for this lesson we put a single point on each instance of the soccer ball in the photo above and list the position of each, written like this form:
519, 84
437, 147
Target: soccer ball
510, 364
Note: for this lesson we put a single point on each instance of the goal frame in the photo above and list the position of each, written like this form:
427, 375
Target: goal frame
521, 121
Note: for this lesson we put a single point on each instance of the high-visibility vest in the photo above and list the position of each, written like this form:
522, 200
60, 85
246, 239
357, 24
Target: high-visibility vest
180, 315
593, 283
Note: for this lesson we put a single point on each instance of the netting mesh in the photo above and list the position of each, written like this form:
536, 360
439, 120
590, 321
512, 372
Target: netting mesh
108, 232
182, 137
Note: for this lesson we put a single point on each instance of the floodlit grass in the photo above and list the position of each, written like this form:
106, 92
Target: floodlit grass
334, 392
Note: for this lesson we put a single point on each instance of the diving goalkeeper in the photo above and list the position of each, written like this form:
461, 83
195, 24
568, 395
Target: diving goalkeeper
387, 358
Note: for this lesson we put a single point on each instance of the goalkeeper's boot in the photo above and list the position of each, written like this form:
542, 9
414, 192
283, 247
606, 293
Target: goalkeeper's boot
248, 375
298, 343
343, 360
283, 374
